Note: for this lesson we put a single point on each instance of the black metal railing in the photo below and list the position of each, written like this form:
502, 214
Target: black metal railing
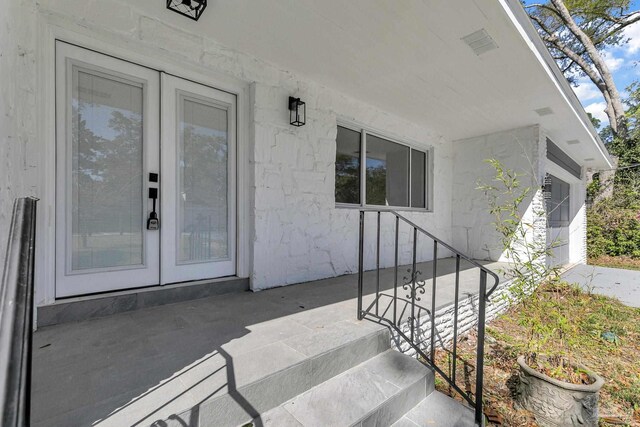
16, 316
407, 327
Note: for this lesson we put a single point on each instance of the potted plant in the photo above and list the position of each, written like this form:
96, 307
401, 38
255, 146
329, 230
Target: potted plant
557, 391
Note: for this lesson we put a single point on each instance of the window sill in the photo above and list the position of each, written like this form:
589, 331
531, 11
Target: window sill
558, 225
382, 208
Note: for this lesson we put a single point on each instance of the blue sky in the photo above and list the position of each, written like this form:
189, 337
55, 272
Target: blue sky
624, 63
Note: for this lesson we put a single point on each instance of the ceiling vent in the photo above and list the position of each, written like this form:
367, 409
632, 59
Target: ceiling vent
546, 111
590, 159
480, 41
573, 142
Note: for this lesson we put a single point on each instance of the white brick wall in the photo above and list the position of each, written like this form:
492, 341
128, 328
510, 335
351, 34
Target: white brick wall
578, 226
522, 150
17, 104
498, 303
297, 233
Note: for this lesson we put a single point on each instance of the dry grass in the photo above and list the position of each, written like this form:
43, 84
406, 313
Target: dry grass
558, 319
616, 262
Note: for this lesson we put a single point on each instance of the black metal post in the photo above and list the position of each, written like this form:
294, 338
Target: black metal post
455, 317
16, 316
395, 277
433, 301
361, 266
480, 351
414, 276
378, 265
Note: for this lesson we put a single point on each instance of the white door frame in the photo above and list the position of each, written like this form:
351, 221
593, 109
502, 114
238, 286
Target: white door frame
54, 27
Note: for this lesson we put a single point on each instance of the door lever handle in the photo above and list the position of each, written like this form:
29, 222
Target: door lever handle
153, 223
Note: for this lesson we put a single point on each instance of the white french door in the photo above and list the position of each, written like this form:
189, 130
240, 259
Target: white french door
198, 169
107, 141
113, 127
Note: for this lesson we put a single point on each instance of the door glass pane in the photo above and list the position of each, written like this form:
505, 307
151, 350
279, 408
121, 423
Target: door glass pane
387, 172
347, 166
418, 178
106, 183
202, 196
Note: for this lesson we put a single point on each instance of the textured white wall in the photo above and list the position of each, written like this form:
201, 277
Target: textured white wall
298, 234
17, 104
522, 150
578, 225
578, 230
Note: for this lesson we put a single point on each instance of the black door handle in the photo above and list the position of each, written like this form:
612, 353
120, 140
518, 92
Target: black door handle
153, 223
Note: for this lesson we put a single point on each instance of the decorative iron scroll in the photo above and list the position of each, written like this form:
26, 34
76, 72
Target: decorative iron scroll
414, 286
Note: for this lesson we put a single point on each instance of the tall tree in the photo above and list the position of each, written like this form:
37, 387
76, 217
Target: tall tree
577, 32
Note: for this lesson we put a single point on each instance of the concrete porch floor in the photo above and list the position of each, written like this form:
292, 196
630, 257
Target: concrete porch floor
144, 367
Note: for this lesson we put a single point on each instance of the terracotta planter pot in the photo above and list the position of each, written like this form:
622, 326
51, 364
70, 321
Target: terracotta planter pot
558, 403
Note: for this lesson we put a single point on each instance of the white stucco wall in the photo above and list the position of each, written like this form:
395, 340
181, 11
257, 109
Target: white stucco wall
522, 150
17, 100
297, 234
578, 230
578, 225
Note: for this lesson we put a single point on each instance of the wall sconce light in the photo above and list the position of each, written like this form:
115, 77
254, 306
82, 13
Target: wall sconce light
297, 112
190, 8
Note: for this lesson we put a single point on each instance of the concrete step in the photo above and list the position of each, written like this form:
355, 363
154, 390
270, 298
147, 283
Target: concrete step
375, 393
77, 309
262, 380
439, 410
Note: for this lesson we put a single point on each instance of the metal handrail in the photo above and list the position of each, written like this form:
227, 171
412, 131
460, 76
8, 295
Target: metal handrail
416, 288
16, 316
452, 249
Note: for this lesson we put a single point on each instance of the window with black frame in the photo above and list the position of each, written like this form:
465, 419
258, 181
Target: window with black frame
395, 174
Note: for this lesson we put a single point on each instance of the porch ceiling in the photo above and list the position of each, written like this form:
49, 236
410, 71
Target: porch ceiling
409, 58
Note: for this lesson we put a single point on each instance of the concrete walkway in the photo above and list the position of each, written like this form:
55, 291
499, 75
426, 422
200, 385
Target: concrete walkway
612, 282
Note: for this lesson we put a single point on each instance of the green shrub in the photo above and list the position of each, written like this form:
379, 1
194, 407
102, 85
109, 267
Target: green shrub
612, 230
